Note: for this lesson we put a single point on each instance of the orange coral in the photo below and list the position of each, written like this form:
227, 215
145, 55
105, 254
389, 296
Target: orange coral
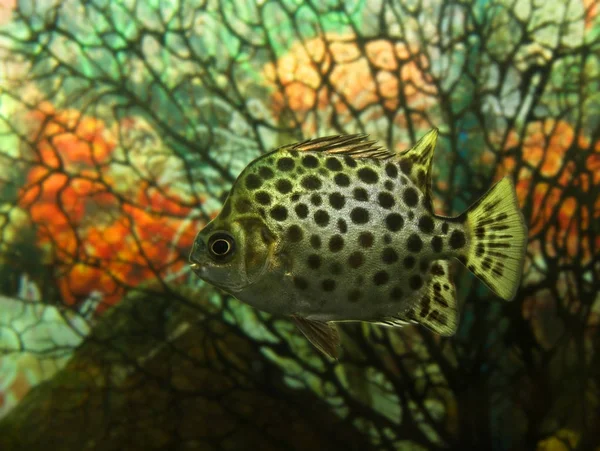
67, 139
335, 70
99, 242
591, 11
547, 173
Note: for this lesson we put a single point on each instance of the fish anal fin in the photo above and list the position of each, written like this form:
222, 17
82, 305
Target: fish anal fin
323, 335
355, 146
415, 163
435, 306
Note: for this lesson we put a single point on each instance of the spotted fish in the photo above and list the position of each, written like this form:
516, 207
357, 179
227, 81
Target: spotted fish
338, 229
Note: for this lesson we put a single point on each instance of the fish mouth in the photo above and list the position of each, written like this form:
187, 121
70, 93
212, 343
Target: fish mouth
202, 272
198, 269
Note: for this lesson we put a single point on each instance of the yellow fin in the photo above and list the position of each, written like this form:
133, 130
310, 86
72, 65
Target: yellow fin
415, 162
435, 307
324, 336
498, 239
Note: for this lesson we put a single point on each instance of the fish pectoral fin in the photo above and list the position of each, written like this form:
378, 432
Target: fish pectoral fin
324, 336
435, 307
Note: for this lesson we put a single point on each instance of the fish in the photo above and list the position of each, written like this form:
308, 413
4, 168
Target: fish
339, 229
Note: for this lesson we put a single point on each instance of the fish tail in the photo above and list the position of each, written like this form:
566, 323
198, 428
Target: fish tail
497, 233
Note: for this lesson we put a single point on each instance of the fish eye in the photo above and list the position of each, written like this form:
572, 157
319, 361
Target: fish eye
221, 246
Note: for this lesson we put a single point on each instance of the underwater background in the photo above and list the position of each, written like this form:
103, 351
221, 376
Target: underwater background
123, 125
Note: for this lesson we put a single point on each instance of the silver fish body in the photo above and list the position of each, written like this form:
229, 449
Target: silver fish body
337, 229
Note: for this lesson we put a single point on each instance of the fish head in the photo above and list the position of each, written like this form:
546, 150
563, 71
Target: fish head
233, 253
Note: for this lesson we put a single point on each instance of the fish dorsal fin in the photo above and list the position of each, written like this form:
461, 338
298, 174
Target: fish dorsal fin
324, 336
356, 146
436, 305
415, 162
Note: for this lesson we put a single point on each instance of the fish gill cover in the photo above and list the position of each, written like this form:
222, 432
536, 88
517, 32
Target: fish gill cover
123, 125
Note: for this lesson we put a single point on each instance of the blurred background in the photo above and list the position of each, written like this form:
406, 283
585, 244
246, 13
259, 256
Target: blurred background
123, 125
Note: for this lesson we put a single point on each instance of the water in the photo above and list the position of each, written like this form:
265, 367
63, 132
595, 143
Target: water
124, 124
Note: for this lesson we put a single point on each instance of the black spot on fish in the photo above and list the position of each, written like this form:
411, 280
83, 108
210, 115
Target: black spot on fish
394, 222
437, 244
328, 285
341, 179
389, 185
295, 197
336, 243
263, 198
350, 162
359, 215
391, 170
300, 283
389, 256
337, 200
284, 186
387, 239
313, 261
311, 182
415, 282
309, 161
381, 278
487, 263
301, 211
266, 173
409, 262
316, 200
365, 239
426, 224
279, 213
386, 200
243, 205
354, 295
356, 259
285, 164
480, 250
414, 243
342, 225
367, 175
457, 239
396, 293
321, 218
333, 164
294, 233
406, 166
336, 269
253, 181
315, 241
437, 269
445, 228
361, 194
410, 196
